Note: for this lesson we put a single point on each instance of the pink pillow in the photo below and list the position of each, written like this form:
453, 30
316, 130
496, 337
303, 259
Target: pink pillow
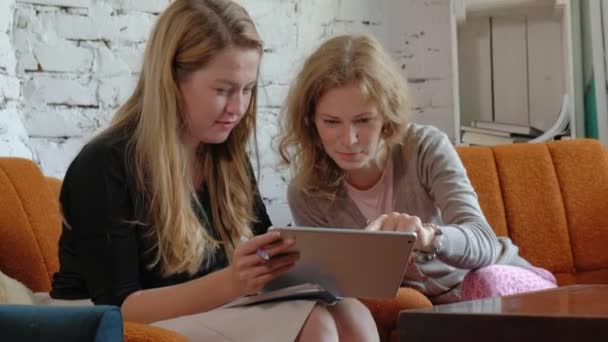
503, 280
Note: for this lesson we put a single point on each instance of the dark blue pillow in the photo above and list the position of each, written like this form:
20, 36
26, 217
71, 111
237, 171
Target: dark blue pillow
60, 323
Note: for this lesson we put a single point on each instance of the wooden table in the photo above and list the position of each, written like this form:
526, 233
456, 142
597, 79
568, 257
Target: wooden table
569, 313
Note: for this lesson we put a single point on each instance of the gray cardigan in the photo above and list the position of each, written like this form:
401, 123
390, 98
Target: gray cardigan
431, 183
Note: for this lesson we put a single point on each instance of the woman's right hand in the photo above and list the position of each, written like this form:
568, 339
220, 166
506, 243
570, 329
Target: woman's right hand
251, 272
402, 222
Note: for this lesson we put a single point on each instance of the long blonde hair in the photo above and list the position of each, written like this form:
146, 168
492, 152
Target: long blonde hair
187, 35
340, 61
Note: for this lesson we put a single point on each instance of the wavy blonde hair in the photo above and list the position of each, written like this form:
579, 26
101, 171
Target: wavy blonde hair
187, 35
340, 61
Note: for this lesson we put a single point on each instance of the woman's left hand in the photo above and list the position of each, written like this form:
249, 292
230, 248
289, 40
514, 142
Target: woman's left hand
405, 223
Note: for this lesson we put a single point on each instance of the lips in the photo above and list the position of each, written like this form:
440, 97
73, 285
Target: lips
349, 156
225, 125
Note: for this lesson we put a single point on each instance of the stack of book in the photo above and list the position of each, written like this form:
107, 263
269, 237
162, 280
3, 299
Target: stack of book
490, 133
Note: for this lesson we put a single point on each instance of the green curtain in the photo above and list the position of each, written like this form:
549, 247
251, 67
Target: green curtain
590, 111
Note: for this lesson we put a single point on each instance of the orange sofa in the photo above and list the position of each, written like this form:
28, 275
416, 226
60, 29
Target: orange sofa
29, 233
551, 199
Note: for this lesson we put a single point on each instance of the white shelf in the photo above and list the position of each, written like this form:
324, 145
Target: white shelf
512, 61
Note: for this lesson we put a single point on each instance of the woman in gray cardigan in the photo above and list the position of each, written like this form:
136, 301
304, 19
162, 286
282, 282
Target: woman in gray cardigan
359, 163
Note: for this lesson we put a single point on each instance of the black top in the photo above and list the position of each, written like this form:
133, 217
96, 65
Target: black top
104, 255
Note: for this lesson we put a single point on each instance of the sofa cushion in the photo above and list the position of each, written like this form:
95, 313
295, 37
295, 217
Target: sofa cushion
534, 208
582, 169
481, 170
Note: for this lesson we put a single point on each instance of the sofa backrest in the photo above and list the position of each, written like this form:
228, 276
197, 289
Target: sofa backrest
551, 199
30, 224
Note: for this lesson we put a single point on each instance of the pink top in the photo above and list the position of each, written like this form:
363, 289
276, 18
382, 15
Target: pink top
378, 199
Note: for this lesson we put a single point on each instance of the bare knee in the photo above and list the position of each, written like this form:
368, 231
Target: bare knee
319, 326
354, 321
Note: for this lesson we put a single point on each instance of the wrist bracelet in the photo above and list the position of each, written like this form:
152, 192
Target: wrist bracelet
436, 246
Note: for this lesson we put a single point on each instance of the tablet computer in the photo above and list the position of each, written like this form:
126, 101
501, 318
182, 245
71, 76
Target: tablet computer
347, 262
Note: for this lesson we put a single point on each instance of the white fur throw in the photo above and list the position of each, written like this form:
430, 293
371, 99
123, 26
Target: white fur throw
13, 292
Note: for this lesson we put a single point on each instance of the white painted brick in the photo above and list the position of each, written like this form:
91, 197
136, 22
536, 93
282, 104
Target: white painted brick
114, 91
279, 212
132, 55
23, 39
266, 10
63, 56
277, 207
62, 122
438, 55
280, 66
26, 62
7, 54
273, 188
78, 27
130, 28
10, 119
11, 146
108, 64
24, 42
267, 130
63, 3
6, 15
431, 93
272, 95
14, 140
45, 89
314, 20
440, 117
39, 26
10, 87
344, 27
425, 42
275, 33
134, 27
420, 94
441, 91
409, 55
359, 11
55, 155
151, 6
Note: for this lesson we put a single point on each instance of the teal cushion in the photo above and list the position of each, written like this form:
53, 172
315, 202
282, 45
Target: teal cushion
26, 323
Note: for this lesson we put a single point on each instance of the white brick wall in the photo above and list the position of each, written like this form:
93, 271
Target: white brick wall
14, 140
65, 65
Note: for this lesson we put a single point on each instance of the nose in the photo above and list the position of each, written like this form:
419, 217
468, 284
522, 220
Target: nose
236, 104
350, 135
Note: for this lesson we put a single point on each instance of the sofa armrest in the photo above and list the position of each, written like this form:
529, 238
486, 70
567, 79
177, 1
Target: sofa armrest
60, 323
138, 332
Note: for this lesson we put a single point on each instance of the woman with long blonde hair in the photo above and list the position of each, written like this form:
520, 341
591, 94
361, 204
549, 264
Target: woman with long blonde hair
157, 206
358, 162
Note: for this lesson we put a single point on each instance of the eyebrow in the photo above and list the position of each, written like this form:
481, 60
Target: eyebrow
234, 84
356, 116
